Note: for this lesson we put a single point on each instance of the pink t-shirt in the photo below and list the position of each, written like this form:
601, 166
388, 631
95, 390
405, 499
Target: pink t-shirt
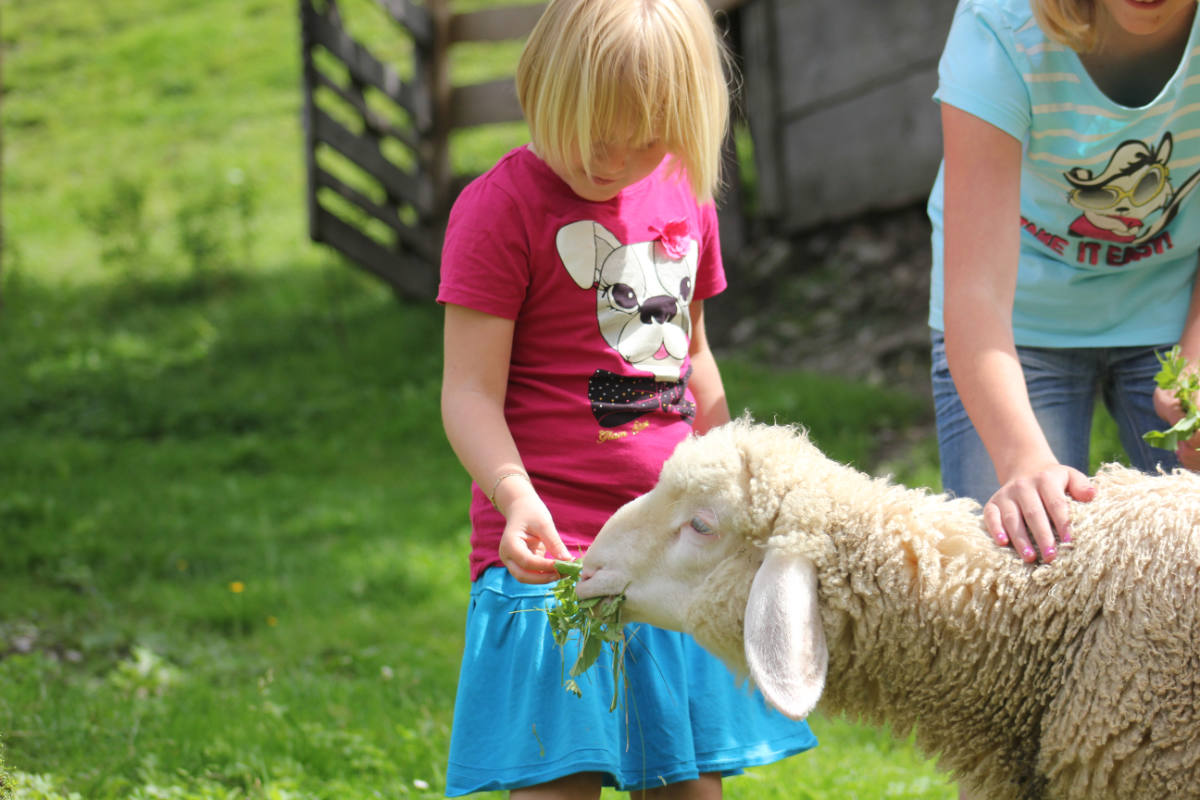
597, 388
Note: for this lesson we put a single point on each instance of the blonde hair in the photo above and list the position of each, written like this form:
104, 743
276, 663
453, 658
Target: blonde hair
1069, 22
597, 72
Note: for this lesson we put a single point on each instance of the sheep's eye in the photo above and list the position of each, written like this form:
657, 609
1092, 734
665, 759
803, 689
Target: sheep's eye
700, 526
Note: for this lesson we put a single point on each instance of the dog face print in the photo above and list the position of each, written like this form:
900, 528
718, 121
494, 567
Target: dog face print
642, 293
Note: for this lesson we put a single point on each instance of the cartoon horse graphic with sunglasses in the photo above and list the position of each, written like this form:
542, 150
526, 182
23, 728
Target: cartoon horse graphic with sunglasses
1133, 186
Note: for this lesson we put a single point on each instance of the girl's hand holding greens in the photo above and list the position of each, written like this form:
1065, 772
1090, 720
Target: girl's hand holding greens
1180, 382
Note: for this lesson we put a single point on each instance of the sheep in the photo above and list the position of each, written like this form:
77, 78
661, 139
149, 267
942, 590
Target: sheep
1073, 680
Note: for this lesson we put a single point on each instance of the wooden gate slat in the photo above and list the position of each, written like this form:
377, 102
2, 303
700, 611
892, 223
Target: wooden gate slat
495, 24
411, 275
484, 103
413, 18
387, 214
365, 68
374, 120
366, 154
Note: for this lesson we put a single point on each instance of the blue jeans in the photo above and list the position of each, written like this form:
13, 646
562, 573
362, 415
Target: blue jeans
1063, 385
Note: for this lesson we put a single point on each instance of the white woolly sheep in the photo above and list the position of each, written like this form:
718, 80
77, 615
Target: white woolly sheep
1074, 680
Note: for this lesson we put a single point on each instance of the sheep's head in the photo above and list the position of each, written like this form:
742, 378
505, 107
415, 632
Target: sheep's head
659, 547
695, 555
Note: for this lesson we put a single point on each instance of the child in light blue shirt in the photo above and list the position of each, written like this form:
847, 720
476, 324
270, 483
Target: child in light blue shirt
1066, 230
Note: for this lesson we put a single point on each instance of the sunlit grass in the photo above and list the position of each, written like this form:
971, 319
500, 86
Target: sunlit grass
236, 541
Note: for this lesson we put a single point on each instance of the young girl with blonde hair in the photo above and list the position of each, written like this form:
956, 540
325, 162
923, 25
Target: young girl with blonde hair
1065, 245
574, 274
1065, 241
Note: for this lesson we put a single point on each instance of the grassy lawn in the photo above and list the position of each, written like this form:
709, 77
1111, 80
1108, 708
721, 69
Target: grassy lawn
234, 545
233, 537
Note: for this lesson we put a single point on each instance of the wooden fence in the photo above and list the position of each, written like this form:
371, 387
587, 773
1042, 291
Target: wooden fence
377, 143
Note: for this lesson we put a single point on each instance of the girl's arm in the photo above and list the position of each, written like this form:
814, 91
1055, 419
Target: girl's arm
474, 381
712, 409
1165, 402
981, 214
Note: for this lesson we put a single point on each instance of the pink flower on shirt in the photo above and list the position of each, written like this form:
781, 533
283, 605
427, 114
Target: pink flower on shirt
674, 237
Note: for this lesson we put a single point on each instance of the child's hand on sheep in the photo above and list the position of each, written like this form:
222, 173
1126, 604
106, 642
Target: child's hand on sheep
530, 543
1032, 508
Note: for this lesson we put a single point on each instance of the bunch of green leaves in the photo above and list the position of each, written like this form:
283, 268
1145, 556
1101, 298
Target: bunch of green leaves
1175, 376
597, 620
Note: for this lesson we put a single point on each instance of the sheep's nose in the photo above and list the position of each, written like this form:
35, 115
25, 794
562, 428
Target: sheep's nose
587, 572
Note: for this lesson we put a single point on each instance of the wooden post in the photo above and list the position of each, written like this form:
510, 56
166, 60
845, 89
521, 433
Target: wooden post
308, 117
1, 182
438, 61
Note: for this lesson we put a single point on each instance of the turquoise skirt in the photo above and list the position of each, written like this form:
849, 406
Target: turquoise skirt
681, 713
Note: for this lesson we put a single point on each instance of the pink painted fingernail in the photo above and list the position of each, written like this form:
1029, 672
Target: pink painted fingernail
1027, 552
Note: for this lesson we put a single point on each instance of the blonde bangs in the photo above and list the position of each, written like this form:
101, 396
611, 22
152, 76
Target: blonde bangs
629, 72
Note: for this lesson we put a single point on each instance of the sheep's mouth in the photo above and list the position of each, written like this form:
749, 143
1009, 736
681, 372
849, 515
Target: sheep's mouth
582, 591
588, 588
602, 606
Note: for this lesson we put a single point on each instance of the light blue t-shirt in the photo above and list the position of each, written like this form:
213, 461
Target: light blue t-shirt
1110, 218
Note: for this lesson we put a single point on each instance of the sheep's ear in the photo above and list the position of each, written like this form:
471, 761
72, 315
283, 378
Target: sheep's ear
784, 639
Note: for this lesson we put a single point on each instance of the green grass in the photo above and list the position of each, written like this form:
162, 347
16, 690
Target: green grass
232, 537
235, 544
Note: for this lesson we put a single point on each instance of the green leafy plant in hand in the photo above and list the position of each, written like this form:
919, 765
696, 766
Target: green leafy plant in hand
1184, 383
597, 621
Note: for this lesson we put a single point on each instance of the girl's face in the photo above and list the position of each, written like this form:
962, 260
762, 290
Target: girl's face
1148, 17
615, 166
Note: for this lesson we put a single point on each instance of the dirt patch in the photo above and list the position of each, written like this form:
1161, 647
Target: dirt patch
848, 299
